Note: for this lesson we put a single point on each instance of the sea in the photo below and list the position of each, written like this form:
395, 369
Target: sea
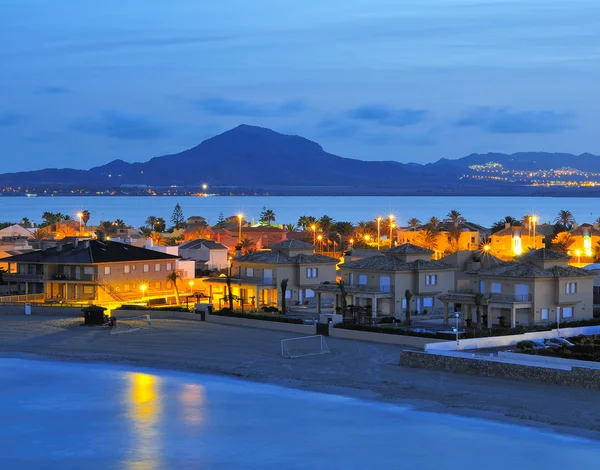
59, 415
135, 210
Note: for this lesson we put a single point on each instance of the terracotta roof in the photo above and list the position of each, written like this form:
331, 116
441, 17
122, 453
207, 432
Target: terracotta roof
277, 257
92, 251
543, 254
293, 244
407, 249
529, 270
391, 263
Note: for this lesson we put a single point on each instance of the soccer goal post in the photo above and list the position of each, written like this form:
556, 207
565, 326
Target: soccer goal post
304, 346
131, 324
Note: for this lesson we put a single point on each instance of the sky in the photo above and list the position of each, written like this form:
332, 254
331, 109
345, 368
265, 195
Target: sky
83, 83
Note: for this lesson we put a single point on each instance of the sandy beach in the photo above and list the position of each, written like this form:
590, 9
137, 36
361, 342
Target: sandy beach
353, 368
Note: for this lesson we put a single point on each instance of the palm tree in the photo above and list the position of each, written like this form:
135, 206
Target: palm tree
501, 224
267, 216
150, 221
562, 242
407, 296
247, 244
342, 288
566, 219
427, 238
160, 225
85, 217
478, 299
172, 277
433, 223
146, 232
120, 223
107, 227
305, 221
414, 223
455, 217
157, 239
25, 222
284, 284
290, 228
67, 231
40, 234
325, 223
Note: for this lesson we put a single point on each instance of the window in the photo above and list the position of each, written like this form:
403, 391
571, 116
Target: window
146, 268
496, 288
88, 290
106, 270
88, 271
157, 285
385, 284
157, 267
249, 272
362, 279
567, 312
472, 239
404, 303
126, 269
267, 276
431, 279
482, 287
350, 279
571, 288
288, 294
428, 302
545, 314
127, 287
169, 266
312, 272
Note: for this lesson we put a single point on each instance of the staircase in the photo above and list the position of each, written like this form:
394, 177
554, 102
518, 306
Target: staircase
111, 291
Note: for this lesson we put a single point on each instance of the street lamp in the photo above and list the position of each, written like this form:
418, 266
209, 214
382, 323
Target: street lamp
457, 315
240, 217
313, 227
80, 216
378, 231
143, 288
391, 223
534, 220
578, 253
320, 238
191, 283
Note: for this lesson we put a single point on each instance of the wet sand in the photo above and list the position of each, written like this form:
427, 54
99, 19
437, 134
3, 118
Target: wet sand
353, 368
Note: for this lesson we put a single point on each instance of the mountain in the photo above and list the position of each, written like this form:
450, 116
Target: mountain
254, 157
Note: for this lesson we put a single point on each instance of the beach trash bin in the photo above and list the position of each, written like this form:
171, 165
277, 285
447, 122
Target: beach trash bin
322, 329
27, 309
93, 315
209, 309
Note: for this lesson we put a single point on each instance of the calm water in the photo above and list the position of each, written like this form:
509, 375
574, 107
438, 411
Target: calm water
135, 210
75, 416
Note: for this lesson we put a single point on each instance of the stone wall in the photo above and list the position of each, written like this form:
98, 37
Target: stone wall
385, 338
576, 377
40, 309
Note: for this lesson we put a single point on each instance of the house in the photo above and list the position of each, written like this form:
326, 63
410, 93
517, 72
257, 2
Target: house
583, 243
91, 270
261, 236
256, 277
513, 241
16, 230
208, 253
380, 282
540, 287
448, 237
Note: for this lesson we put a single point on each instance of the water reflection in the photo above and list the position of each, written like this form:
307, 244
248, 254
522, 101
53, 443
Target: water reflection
193, 400
144, 411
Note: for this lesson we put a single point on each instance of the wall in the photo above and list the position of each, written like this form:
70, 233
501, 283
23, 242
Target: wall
413, 341
41, 310
575, 377
264, 324
500, 341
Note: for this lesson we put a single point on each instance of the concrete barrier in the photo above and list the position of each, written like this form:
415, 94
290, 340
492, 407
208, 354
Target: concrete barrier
385, 338
501, 341
572, 376
40, 309
265, 324
160, 314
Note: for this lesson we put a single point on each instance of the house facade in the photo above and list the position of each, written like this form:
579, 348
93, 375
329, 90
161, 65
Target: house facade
91, 271
540, 287
256, 278
209, 253
514, 241
380, 282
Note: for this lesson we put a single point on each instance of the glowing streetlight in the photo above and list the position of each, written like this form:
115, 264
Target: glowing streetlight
143, 288
578, 253
391, 224
320, 238
191, 283
486, 248
204, 187
534, 220
351, 241
80, 216
313, 227
240, 217
378, 231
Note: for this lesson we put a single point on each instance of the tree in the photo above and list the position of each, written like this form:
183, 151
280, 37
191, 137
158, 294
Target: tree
414, 223
408, 295
67, 231
51, 218
173, 276
177, 219
267, 216
455, 217
248, 245
325, 223
501, 224
433, 223
146, 232
151, 221
160, 225
566, 219
40, 234
290, 227
305, 221
478, 299
562, 242
25, 222
427, 238
284, 284
229, 291
346, 229
120, 223
157, 239
85, 217
109, 228
66, 217
342, 288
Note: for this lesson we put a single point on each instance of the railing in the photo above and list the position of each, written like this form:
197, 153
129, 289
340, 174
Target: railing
511, 298
22, 277
461, 291
21, 298
110, 291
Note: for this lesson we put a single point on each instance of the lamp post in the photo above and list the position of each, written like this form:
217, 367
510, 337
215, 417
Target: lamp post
391, 222
578, 253
534, 218
191, 283
80, 216
367, 239
320, 238
143, 288
240, 218
378, 231
204, 188
457, 315
314, 230
557, 320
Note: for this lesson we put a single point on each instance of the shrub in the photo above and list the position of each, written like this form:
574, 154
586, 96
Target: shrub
163, 308
257, 316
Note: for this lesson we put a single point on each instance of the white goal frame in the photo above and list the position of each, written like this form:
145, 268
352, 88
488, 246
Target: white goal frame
286, 353
116, 331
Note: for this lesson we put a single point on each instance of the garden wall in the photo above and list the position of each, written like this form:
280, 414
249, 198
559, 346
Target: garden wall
572, 377
401, 340
265, 324
500, 341
42, 310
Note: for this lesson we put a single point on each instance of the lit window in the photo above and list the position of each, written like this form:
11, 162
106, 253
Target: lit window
249, 272
146, 268
126, 269
157, 267
157, 286
567, 312
312, 272
545, 314
428, 302
106, 270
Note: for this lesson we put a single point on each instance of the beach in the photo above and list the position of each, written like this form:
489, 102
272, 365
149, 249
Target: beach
353, 368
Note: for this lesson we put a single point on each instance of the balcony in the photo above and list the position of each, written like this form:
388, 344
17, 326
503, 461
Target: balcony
511, 298
22, 277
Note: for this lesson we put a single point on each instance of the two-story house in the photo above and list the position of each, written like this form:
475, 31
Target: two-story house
91, 270
447, 238
583, 244
540, 287
513, 241
381, 282
208, 254
256, 277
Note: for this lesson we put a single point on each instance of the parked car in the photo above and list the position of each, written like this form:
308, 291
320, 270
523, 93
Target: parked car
557, 342
530, 344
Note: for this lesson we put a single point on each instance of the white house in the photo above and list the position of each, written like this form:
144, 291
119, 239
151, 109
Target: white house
15, 231
209, 252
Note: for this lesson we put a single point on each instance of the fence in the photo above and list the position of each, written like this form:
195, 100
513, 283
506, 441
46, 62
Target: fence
15, 299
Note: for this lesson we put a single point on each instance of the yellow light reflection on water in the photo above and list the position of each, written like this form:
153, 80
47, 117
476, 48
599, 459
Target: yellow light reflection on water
144, 410
193, 401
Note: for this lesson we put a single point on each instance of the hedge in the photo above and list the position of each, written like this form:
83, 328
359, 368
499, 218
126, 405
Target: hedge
257, 316
169, 308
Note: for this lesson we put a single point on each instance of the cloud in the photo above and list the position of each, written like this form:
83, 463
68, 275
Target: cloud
506, 121
227, 107
53, 90
10, 118
387, 116
121, 126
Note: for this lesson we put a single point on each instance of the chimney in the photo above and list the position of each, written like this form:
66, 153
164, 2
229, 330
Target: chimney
238, 251
86, 244
507, 225
101, 236
76, 243
59, 247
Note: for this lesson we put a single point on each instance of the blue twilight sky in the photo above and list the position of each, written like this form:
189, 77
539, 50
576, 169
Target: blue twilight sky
85, 82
